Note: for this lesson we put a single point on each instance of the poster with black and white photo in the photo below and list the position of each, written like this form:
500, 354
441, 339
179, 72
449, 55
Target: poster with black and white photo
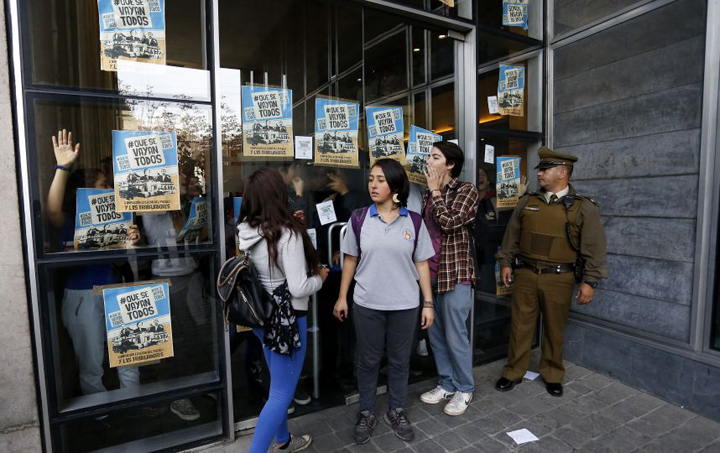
131, 30
267, 123
511, 88
145, 165
515, 13
385, 133
137, 321
196, 226
98, 224
419, 146
508, 182
336, 133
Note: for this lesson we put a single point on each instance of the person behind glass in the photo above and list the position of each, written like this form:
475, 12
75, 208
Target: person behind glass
453, 205
281, 251
391, 258
83, 312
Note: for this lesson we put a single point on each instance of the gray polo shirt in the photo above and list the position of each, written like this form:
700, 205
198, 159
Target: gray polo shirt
386, 277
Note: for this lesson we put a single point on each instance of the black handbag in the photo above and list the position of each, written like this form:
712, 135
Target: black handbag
246, 301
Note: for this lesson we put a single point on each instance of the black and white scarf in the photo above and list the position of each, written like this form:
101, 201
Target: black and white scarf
281, 333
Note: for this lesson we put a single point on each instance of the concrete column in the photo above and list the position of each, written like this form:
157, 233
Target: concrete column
19, 423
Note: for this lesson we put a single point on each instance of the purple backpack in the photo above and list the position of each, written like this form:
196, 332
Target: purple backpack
358, 218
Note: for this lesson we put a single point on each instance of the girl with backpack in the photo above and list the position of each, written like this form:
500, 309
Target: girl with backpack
288, 268
386, 249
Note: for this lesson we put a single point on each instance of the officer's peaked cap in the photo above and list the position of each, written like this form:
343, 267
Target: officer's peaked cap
550, 158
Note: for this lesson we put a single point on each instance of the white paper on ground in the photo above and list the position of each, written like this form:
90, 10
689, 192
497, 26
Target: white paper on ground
489, 154
522, 436
531, 375
493, 105
326, 212
303, 147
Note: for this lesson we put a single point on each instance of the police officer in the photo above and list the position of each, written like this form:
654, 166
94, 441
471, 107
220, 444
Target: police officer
554, 239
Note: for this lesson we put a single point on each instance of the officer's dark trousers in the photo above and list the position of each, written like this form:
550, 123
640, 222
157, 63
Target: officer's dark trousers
550, 294
379, 332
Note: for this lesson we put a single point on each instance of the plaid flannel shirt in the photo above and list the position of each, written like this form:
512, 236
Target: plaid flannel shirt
454, 211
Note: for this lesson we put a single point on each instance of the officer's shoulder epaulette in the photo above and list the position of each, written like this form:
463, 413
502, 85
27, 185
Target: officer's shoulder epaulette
580, 196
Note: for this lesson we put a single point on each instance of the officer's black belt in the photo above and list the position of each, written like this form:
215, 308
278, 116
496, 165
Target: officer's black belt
545, 268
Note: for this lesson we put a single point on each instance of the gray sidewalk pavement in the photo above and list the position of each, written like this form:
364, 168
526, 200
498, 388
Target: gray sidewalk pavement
596, 414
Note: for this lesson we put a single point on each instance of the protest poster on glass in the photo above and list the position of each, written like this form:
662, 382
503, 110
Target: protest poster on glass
419, 146
137, 320
515, 13
145, 165
511, 87
508, 181
336, 133
196, 226
385, 133
131, 30
98, 224
267, 123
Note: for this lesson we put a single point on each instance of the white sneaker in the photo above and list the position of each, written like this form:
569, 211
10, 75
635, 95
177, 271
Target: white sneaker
458, 404
422, 348
295, 444
436, 395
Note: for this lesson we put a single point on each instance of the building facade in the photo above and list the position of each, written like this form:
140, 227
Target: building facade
630, 87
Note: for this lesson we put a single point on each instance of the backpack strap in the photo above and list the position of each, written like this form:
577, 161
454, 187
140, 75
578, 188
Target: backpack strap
356, 221
417, 223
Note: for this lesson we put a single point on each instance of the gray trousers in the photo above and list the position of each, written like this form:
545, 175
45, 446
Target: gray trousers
379, 332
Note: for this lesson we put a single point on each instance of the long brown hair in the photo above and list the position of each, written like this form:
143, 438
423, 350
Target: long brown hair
265, 206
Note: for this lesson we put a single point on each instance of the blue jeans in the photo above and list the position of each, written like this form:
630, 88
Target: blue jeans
449, 339
284, 376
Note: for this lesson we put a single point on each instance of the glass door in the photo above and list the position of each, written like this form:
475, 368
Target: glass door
305, 57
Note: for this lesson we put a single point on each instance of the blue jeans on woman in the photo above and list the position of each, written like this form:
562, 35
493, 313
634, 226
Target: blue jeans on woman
284, 375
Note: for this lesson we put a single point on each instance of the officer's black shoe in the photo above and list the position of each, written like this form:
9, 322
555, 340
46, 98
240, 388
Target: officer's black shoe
554, 388
505, 385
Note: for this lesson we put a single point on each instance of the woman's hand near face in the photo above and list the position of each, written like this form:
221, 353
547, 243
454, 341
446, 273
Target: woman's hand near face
433, 177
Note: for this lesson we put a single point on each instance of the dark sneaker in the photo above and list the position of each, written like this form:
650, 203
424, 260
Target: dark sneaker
400, 424
364, 427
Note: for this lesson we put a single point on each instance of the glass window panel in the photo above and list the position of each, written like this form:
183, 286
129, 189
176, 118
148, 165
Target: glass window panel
490, 14
92, 123
348, 35
443, 111
351, 87
421, 110
317, 36
386, 70
492, 47
488, 86
78, 335
150, 428
419, 54
442, 55
377, 23
64, 48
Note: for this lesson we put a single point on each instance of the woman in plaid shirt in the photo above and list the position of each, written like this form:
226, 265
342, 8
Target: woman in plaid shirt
451, 205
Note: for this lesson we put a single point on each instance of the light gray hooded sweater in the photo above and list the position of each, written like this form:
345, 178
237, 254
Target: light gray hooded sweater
291, 264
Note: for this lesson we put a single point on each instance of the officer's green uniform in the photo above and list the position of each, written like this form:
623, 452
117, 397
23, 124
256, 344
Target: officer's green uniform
536, 236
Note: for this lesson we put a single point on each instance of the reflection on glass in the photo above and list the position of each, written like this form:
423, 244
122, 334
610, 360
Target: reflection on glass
348, 32
421, 110
378, 23
78, 325
442, 55
443, 111
92, 125
64, 44
351, 86
488, 86
418, 55
492, 47
386, 70
154, 427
